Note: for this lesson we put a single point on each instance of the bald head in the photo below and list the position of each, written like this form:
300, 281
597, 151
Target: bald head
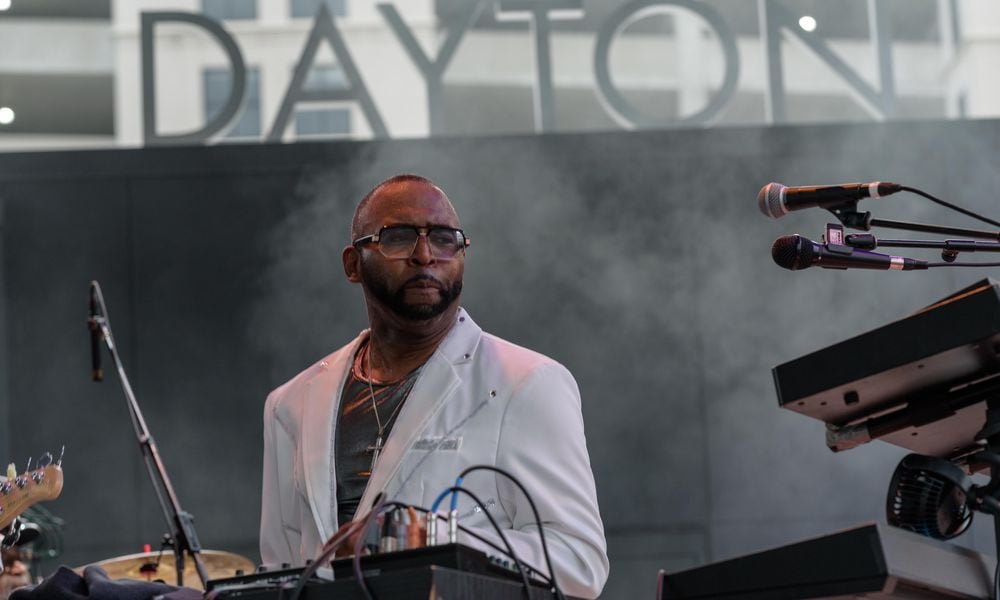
400, 191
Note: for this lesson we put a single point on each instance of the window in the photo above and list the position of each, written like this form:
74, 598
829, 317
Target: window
217, 87
307, 9
325, 77
229, 10
330, 121
324, 121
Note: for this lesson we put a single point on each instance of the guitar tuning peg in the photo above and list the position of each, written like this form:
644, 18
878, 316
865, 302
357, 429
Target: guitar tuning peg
45, 460
11, 471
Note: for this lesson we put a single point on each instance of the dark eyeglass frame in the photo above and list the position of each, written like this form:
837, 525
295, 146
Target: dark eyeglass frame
421, 231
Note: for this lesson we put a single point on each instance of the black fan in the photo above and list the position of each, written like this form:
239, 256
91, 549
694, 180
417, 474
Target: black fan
930, 496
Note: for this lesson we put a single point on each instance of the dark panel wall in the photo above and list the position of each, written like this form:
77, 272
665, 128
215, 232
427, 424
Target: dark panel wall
58, 235
637, 259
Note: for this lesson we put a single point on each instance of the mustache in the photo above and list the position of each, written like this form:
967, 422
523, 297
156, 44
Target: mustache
424, 278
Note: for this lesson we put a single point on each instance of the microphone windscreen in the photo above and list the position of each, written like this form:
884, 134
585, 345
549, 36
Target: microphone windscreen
789, 252
769, 200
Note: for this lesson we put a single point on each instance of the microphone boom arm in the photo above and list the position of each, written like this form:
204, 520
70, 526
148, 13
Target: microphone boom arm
941, 229
850, 217
866, 242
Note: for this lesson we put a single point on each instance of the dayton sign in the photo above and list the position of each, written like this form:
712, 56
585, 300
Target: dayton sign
774, 19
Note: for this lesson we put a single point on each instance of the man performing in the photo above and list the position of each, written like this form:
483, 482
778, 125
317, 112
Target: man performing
421, 395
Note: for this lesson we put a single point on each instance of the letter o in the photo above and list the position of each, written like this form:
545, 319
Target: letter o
616, 102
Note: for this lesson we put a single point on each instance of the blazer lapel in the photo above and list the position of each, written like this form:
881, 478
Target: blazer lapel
319, 414
437, 382
434, 387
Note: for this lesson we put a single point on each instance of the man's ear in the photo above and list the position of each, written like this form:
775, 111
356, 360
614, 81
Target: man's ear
352, 264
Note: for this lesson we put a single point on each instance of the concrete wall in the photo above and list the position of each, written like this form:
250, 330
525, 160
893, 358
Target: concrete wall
639, 260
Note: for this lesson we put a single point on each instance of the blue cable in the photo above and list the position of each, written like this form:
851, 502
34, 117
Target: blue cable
437, 503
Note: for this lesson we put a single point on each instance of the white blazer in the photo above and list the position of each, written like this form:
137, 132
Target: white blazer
477, 400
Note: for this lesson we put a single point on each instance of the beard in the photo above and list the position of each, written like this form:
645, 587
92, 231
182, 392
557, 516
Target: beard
395, 300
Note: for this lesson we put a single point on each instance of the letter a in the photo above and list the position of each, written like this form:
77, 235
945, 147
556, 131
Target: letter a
324, 28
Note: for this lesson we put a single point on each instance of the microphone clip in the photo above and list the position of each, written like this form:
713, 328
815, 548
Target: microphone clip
834, 242
848, 214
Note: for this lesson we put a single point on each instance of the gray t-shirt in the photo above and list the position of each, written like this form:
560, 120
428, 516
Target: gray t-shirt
356, 430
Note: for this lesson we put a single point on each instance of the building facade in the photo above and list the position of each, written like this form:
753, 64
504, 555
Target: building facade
96, 76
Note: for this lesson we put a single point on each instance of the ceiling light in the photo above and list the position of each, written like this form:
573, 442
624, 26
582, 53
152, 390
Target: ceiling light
807, 23
4, 4
6, 113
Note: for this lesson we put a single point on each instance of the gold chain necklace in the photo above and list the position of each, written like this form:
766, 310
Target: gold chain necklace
376, 450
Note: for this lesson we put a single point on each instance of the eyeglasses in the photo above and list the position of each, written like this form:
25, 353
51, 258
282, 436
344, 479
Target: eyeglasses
399, 241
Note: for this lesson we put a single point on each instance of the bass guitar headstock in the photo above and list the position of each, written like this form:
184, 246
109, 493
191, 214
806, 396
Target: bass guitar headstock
19, 492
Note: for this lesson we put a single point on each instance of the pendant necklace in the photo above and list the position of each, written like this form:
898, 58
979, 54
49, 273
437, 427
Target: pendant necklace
376, 450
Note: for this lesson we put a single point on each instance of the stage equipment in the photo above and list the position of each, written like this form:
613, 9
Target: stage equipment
933, 497
921, 382
93, 323
851, 251
841, 252
932, 379
534, 511
182, 537
930, 383
871, 561
949, 248
776, 200
393, 535
445, 571
936, 498
152, 566
795, 252
364, 540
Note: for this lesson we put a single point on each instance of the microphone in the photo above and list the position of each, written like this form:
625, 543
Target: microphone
776, 200
96, 335
795, 252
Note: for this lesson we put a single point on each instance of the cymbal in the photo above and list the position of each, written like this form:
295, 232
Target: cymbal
143, 566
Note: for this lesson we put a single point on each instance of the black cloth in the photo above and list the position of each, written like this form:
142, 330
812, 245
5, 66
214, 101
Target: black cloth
95, 584
356, 431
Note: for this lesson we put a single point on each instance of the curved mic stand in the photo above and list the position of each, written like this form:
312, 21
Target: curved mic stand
180, 522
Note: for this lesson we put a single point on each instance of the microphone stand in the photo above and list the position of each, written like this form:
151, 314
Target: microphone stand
180, 522
849, 216
943, 230
949, 248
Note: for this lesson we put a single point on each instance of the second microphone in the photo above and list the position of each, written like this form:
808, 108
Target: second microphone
795, 252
